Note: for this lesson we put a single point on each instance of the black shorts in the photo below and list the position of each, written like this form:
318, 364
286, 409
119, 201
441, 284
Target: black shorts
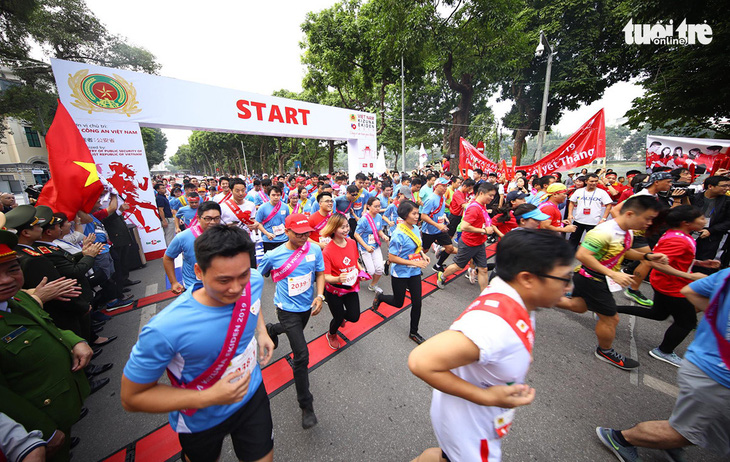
442, 239
596, 294
251, 430
466, 253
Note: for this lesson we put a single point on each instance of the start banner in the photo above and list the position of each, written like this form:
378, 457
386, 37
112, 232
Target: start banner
583, 147
702, 155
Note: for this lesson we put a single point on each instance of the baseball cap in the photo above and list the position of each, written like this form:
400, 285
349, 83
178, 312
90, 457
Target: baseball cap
556, 188
535, 214
298, 223
571, 173
658, 176
514, 195
442, 181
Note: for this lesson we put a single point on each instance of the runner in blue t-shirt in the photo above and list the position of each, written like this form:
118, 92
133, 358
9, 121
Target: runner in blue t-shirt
257, 195
187, 338
209, 213
407, 258
296, 272
701, 414
272, 221
435, 227
370, 237
185, 214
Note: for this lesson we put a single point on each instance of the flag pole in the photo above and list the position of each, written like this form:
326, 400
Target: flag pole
245, 165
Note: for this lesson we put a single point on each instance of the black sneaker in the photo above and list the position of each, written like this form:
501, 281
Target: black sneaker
272, 334
386, 269
439, 268
416, 338
617, 359
376, 301
309, 420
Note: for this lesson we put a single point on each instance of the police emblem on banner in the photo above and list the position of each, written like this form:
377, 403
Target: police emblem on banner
102, 93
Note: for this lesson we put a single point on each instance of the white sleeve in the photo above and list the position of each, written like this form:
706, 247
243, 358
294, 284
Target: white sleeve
485, 330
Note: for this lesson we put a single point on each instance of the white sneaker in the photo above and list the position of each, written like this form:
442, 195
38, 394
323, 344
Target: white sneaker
437, 251
375, 288
669, 358
471, 275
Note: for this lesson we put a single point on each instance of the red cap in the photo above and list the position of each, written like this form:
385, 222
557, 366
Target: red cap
298, 223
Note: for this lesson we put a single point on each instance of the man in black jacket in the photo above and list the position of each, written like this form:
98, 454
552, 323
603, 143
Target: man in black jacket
714, 204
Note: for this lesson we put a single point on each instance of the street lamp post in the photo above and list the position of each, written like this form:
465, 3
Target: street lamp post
543, 46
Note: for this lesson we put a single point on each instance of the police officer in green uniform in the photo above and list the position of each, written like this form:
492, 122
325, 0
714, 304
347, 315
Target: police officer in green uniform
42, 383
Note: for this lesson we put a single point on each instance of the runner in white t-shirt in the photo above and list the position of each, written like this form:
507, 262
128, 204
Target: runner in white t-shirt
238, 211
478, 366
588, 207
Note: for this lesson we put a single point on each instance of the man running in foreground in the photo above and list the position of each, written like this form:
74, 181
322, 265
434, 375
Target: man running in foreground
701, 415
478, 366
216, 385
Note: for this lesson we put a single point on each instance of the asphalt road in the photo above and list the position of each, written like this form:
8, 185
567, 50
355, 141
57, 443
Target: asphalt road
370, 407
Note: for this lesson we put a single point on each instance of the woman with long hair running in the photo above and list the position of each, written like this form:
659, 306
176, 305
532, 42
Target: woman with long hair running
370, 236
677, 244
407, 259
342, 274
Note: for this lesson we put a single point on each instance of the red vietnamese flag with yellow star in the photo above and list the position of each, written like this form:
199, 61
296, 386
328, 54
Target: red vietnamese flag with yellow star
74, 183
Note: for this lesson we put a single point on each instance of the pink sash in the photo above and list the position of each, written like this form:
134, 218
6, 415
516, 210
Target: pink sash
273, 213
263, 196
487, 219
371, 222
723, 346
277, 274
226, 197
610, 263
300, 207
340, 291
239, 318
320, 226
674, 233
196, 229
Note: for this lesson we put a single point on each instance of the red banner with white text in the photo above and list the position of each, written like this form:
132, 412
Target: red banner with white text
583, 147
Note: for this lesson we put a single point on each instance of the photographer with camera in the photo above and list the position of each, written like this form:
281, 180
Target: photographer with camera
714, 205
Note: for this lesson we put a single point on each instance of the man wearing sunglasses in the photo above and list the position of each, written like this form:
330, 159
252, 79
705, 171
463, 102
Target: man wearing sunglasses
209, 213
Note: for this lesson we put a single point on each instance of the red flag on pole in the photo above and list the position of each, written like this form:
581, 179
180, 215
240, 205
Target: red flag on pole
74, 183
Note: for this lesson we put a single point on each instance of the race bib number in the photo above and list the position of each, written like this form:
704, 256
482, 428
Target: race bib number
441, 219
351, 277
586, 211
613, 286
371, 239
503, 422
415, 256
278, 229
299, 284
325, 240
244, 362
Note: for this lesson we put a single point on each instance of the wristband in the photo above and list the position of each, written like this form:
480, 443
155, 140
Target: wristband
646, 255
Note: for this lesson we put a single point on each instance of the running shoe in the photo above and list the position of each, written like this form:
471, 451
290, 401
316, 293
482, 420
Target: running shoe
670, 358
437, 251
622, 453
638, 297
471, 275
272, 334
386, 269
118, 303
376, 301
617, 359
438, 268
375, 288
440, 280
416, 337
333, 341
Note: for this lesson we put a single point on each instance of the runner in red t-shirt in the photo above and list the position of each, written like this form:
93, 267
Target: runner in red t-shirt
342, 274
318, 219
475, 227
679, 247
456, 208
557, 194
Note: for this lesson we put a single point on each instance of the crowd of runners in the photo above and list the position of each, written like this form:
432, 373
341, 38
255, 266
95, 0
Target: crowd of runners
576, 242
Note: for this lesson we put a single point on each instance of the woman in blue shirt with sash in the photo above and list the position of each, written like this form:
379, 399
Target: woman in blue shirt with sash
407, 258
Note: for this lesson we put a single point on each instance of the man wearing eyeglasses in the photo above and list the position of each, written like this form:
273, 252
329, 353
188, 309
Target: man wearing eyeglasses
209, 213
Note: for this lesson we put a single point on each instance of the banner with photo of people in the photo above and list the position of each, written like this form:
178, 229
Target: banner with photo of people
702, 155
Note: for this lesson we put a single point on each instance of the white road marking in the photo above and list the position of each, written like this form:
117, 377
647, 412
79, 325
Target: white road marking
633, 375
661, 385
149, 310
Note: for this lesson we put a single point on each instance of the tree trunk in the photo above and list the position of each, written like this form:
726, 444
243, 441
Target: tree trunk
461, 117
261, 155
331, 156
520, 136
